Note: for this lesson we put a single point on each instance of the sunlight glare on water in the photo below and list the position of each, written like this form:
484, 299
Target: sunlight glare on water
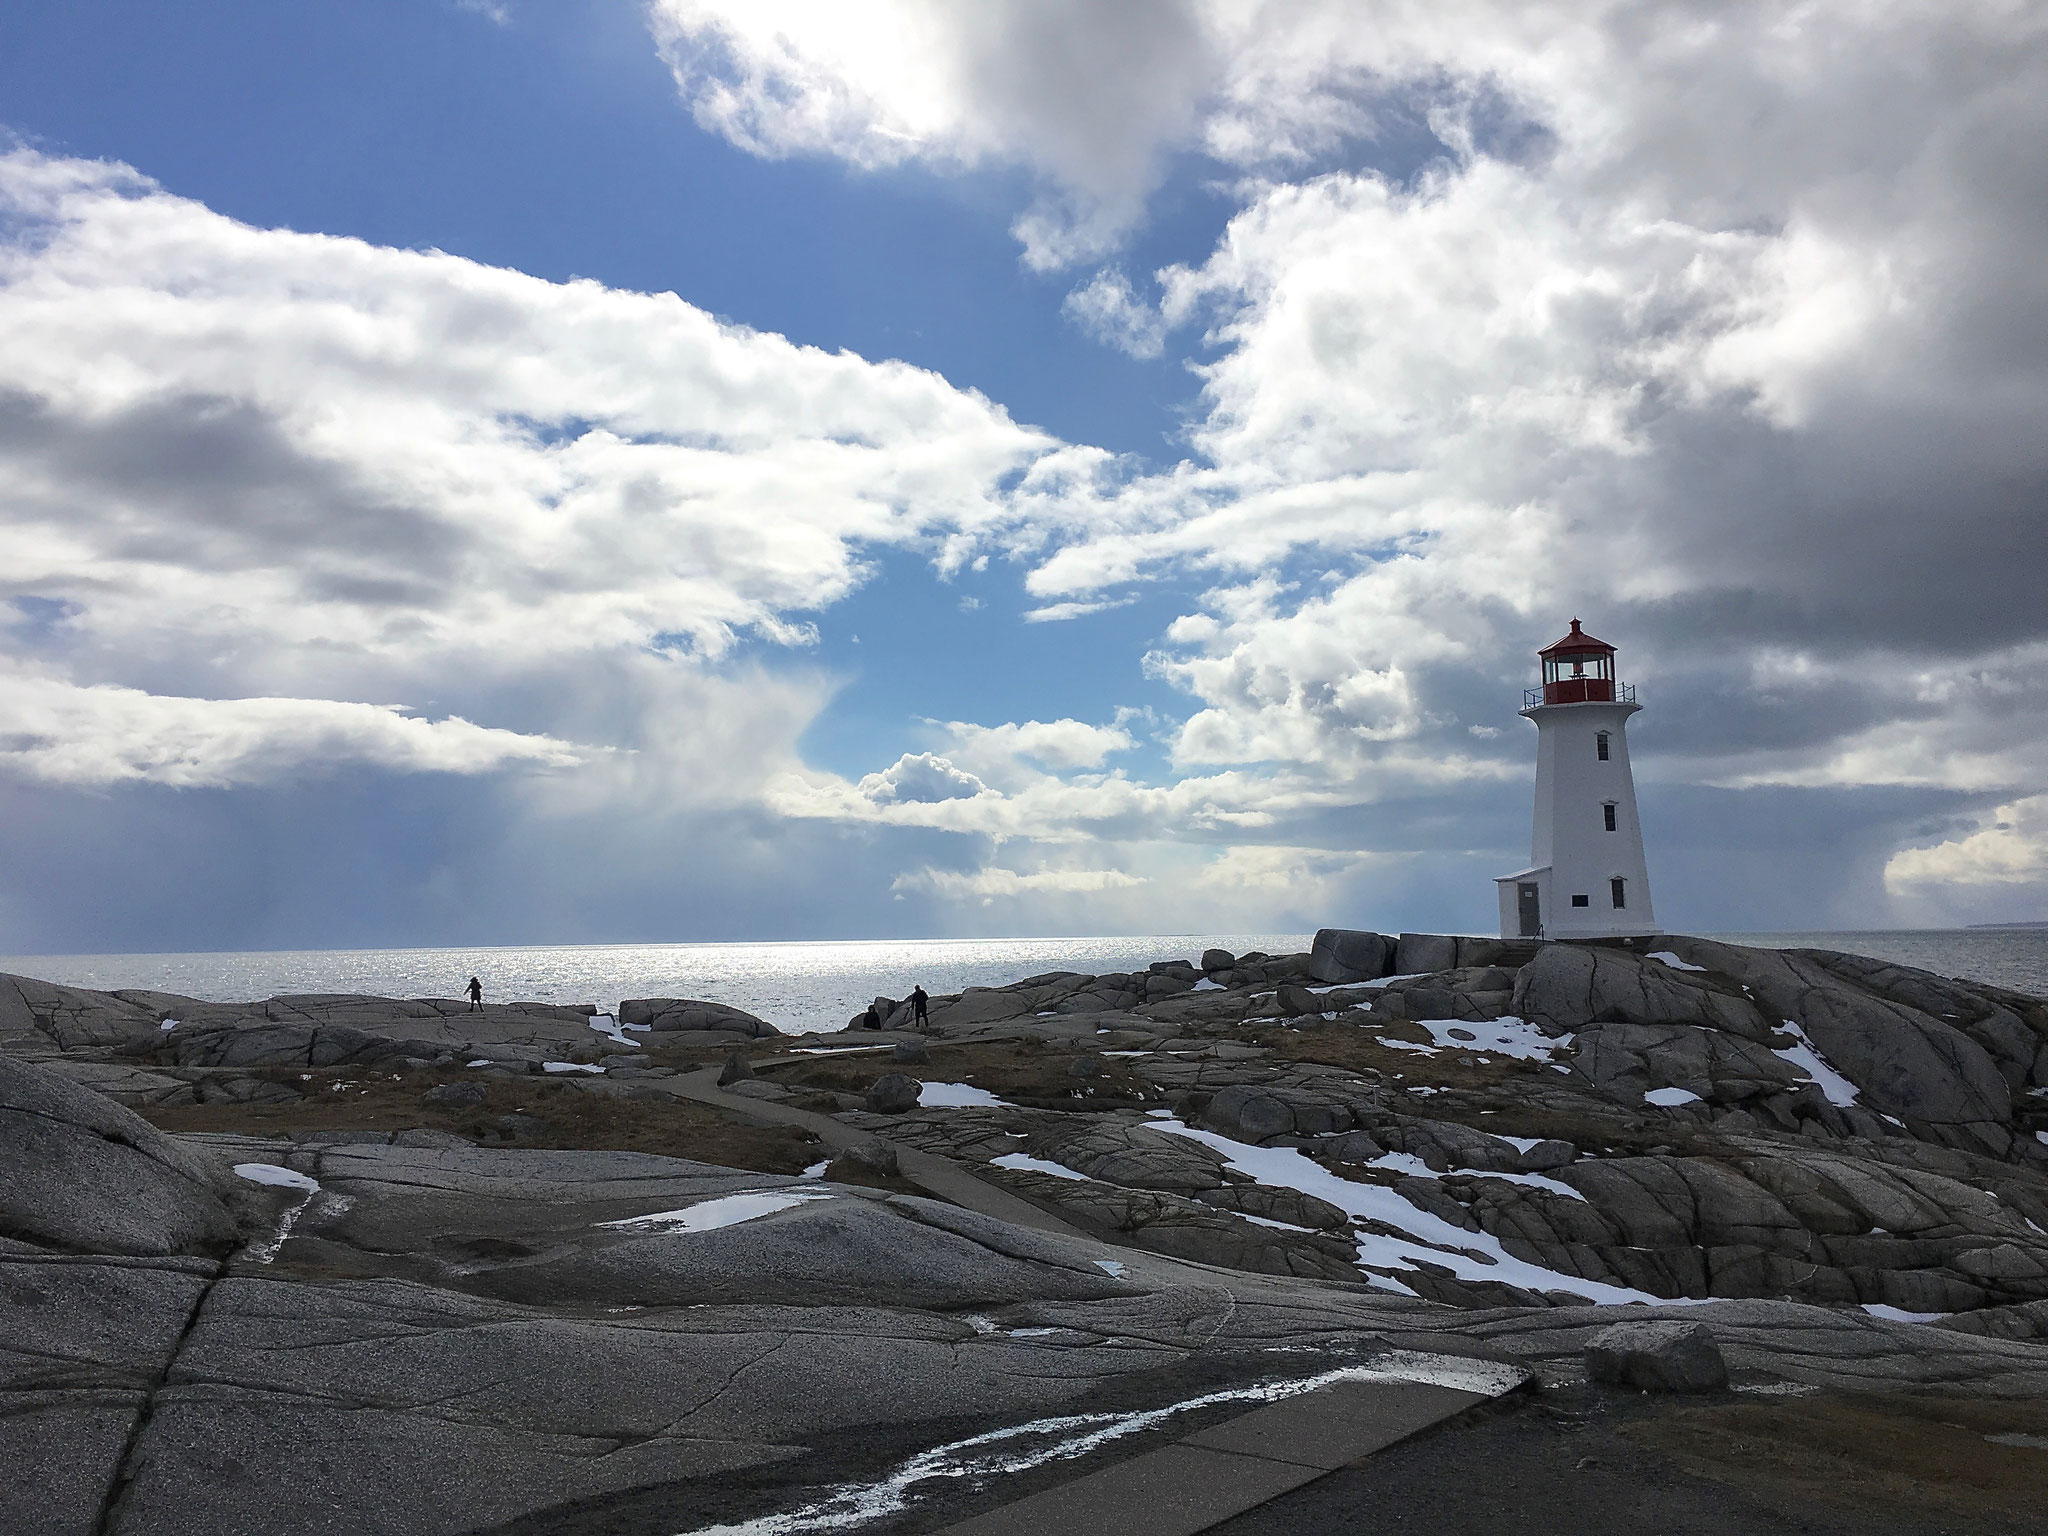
800, 987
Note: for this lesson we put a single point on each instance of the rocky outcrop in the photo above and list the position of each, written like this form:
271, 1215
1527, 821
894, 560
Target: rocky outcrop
665, 1014
1906, 1063
1566, 987
1342, 955
440, 1337
1657, 1357
81, 1174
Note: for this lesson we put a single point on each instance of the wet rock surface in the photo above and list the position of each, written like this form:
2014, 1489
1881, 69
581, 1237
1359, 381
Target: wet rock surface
1393, 1141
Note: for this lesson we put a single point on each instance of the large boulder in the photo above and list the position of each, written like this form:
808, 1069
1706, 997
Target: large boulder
1626, 1061
80, 1173
1248, 1114
894, 1093
1418, 954
1904, 1062
1657, 1357
1133, 1156
1567, 986
1342, 955
664, 1014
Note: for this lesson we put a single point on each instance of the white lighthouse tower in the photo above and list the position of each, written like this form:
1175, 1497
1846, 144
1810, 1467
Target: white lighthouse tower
1587, 878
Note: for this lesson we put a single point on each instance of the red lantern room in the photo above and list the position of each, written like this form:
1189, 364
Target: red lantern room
1578, 670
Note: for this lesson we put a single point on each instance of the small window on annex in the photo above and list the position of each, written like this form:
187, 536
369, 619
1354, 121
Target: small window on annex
1600, 745
1618, 889
1582, 901
1607, 815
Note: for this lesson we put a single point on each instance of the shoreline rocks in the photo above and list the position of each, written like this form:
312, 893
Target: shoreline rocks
1231, 1164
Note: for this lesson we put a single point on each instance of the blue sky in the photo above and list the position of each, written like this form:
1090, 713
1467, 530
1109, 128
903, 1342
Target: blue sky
1277, 383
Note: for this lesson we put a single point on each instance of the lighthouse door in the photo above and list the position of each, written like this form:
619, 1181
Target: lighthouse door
1530, 901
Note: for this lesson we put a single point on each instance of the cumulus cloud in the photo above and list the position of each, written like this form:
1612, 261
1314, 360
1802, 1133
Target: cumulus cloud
252, 462
1727, 327
1109, 309
920, 778
1723, 330
1084, 95
94, 736
2010, 849
1057, 744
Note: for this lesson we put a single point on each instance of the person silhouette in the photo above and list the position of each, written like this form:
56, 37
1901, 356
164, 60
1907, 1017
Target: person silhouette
922, 1006
476, 995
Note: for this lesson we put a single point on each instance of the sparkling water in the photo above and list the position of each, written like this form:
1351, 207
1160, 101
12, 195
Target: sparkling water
800, 987
806, 987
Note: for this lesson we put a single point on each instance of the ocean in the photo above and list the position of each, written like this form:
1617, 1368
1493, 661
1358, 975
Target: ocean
811, 986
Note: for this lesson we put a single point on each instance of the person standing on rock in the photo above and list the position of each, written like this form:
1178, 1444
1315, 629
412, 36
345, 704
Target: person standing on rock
921, 1006
476, 995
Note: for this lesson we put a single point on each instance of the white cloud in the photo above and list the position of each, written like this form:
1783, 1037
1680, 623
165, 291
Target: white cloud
93, 736
249, 462
994, 882
2010, 849
1109, 309
1085, 95
920, 778
1057, 744
1057, 613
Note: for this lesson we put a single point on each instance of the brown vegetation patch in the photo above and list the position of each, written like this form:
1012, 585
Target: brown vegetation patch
1032, 1073
1869, 1454
1360, 1049
563, 1116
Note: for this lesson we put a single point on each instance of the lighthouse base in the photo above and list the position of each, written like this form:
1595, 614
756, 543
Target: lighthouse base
1530, 910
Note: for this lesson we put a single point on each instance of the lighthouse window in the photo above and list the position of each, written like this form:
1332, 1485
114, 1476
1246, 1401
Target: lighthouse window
1582, 901
1607, 815
1600, 745
1619, 890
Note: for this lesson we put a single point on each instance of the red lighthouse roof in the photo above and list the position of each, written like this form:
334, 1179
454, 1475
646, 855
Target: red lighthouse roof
1577, 643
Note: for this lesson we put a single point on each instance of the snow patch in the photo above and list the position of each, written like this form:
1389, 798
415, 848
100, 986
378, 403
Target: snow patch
1670, 1098
1206, 985
1808, 1059
1017, 1448
1900, 1315
1674, 962
608, 1025
817, 1169
725, 1211
1416, 1236
1506, 1036
567, 1066
1416, 1168
1267, 1221
276, 1177
1111, 1267
955, 1096
1026, 1162
168, 1024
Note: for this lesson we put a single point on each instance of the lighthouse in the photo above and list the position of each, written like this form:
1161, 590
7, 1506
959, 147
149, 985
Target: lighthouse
1586, 877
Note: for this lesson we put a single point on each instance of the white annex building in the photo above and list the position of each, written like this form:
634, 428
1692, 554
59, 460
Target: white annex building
1586, 877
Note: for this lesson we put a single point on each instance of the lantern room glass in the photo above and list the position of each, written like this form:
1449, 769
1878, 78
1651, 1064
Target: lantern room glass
1580, 677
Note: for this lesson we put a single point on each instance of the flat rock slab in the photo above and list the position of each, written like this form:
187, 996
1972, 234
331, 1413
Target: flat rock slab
1216, 1473
82, 1343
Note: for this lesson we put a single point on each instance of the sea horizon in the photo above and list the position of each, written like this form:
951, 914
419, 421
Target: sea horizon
809, 985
